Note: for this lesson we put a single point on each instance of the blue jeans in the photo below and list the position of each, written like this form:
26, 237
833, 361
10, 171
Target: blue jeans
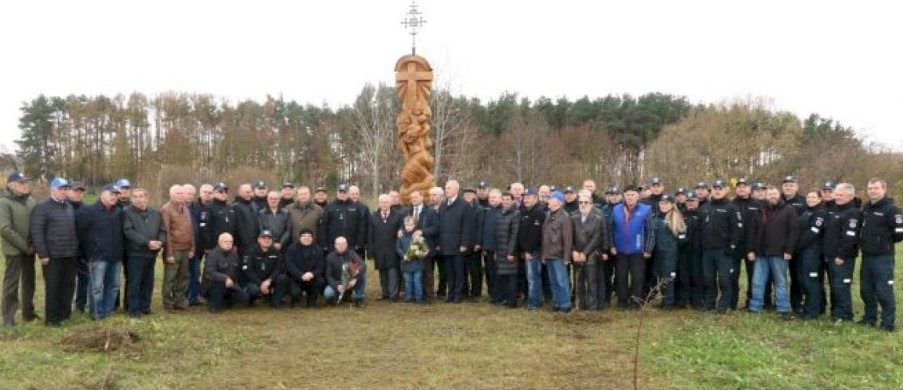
776, 267
560, 283
357, 294
413, 288
534, 281
104, 287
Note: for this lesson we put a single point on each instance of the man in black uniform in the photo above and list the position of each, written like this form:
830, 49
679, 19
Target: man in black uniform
288, 195
720, 235
263, 273
260, 195
529, 239
321, 198
702, 193
342, 218
882, 226
483, 194
220, 218
473, 278
841, 246
790, 189
790, 193
747, 209
571, 205
657, 189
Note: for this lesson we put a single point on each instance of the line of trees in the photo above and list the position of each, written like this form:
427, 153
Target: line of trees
182, 137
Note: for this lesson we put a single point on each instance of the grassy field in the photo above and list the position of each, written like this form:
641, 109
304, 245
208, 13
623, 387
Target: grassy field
471, 345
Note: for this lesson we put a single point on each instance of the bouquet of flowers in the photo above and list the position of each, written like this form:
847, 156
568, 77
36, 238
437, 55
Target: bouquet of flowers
351, 271
417, 250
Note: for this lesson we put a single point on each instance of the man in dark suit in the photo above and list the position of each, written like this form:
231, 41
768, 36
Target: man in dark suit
383, 231
427, 220
453, 239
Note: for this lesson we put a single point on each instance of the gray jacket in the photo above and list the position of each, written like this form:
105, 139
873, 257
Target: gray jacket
141, 227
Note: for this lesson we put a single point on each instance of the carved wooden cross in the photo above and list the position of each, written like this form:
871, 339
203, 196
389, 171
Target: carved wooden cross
411, 76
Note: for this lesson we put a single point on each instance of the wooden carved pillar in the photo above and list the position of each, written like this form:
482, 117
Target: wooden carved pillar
413, 83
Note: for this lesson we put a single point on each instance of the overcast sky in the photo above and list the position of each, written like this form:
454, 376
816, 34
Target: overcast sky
841, 60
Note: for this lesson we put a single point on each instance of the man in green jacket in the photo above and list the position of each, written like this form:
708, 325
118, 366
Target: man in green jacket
15, 208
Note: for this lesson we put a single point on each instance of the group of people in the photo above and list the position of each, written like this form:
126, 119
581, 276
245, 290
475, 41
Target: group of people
568, 247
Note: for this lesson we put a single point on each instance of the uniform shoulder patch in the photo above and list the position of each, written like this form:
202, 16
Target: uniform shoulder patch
853, 223
899, 219
819, 221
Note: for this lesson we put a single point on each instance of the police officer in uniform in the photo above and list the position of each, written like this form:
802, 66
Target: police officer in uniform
720, 236
841, 246
882, 226
747, 208
263, 273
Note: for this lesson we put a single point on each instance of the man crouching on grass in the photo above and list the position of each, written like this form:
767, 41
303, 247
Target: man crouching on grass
263, 272
221, 276
344, 269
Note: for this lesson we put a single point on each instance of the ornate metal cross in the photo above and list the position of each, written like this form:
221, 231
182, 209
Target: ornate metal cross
412, 21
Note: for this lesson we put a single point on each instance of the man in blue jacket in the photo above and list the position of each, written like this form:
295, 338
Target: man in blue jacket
634, 238
100, 235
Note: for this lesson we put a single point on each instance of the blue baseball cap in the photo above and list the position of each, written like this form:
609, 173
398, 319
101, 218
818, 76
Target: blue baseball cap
112, 188
59, 182
557, 195
123, 183
17, 176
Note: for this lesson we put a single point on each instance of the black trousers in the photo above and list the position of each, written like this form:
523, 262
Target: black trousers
312, 289
507, 289
140, 283
630, 271
813, 288
219, 297
491, 270
278, 290
443, 275
59, 281
454, 271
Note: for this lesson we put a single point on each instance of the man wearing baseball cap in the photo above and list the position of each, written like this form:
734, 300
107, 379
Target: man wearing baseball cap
53, 234
16, 204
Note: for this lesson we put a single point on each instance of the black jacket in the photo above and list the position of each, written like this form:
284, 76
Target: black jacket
475, 215
882, 226
52, 230
529, 234
506, 240
301, 259
344, 218
454, 223
246, 226
334, 263
694, 229
772, 231
100, 232
278, 223
381, 239
219, 265
141, 227
842, 232
810, 228
747, 209
260, 265
798, 202
428, 223
220, 219
720, 228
